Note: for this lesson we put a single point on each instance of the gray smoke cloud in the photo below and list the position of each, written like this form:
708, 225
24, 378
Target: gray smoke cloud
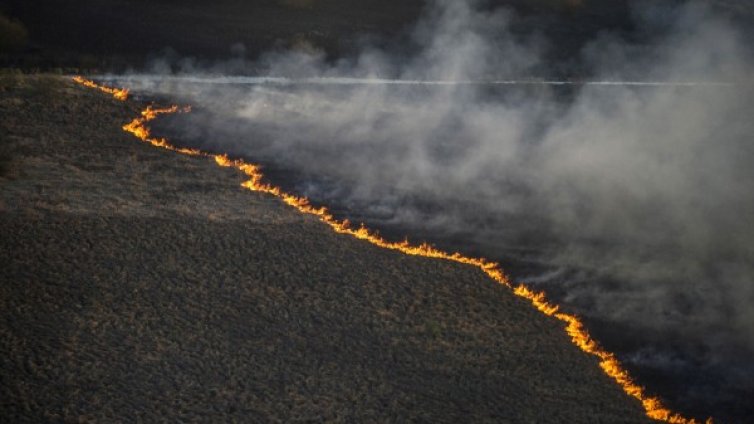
635, 201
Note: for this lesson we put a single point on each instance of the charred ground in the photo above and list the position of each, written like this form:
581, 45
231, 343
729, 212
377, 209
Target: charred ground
122, 34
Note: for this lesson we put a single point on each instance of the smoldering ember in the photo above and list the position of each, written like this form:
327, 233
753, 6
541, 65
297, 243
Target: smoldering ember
425, 210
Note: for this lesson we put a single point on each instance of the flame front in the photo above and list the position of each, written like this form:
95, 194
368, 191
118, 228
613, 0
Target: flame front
574, 327
138, 128
119, 93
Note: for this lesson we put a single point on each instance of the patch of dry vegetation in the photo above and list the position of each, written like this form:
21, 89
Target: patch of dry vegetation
5, 155
141, 285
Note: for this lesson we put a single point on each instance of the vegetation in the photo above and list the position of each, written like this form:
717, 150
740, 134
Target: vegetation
142, 285
5, 155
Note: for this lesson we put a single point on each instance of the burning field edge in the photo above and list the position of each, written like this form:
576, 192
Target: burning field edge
574, 327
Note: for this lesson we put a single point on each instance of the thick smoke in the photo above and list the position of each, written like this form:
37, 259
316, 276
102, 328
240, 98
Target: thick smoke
635, 202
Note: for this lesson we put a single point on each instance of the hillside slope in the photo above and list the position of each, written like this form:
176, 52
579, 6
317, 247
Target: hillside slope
141, 284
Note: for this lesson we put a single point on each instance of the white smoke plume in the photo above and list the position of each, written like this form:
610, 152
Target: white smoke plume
634, 199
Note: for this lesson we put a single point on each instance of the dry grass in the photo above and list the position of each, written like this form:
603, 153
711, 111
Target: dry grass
5, 155
138, 284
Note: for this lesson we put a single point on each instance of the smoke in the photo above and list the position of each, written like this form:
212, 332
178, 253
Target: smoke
636, 202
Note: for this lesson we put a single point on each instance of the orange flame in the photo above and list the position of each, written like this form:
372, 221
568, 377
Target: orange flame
138, 128
574, 327
119, 93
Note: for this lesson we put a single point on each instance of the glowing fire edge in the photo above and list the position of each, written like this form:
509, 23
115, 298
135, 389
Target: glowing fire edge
653, 406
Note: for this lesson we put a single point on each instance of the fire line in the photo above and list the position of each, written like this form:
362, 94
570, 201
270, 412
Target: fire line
118, 93
574, 327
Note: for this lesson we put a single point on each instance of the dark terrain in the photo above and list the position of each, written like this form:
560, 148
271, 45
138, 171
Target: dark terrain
136, 281
116, 35
139, 284
130, 31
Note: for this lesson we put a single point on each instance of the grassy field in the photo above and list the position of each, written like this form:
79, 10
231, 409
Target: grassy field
138, 284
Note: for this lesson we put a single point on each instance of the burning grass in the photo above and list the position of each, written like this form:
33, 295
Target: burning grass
140, 284
120, 94
653, 406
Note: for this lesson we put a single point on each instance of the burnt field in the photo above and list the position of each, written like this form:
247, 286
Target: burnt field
131, 31
118, 35
141, 284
